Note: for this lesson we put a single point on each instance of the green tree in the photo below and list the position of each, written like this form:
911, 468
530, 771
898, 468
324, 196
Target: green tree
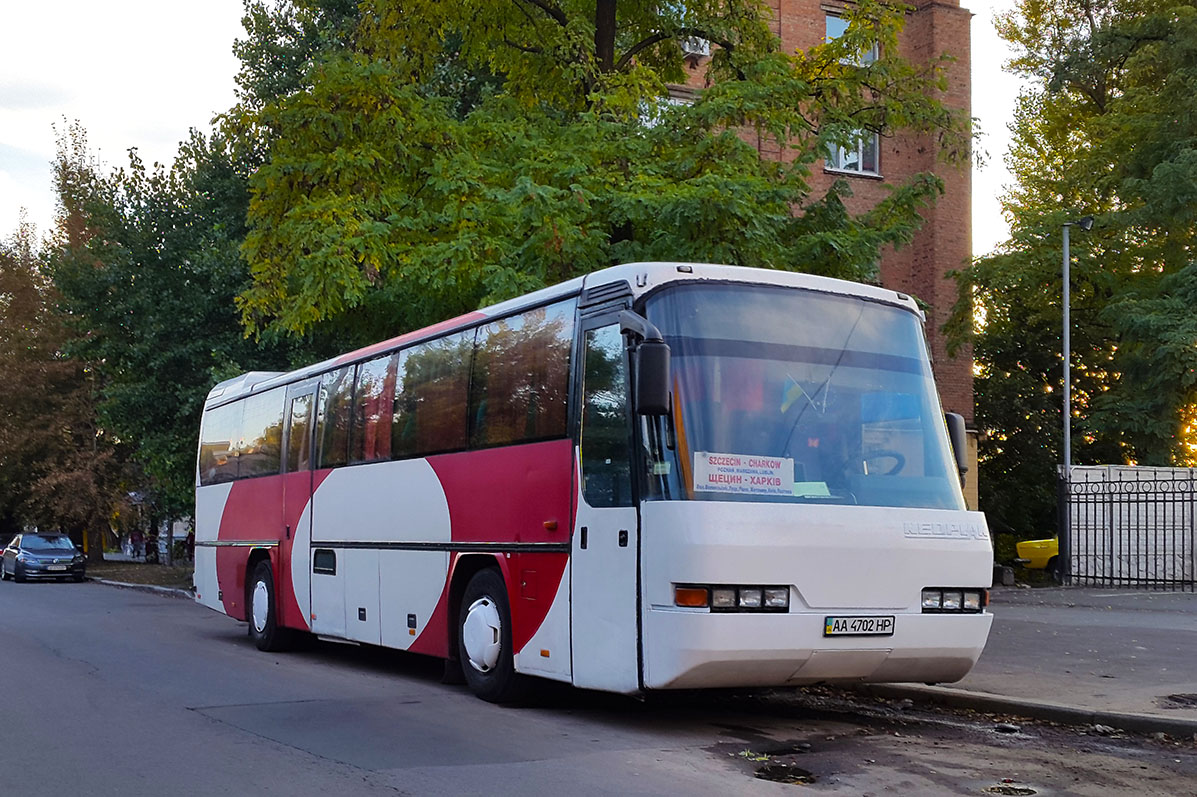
283, 40
150, 293
387, 200
1107, 127
59, 470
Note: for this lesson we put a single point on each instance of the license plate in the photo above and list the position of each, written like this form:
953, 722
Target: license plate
56, 567
858, 626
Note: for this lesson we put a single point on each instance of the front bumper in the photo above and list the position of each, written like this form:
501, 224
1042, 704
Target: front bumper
32, 570
697, 649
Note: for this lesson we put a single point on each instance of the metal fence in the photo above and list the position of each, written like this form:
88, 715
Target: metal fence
1129, 527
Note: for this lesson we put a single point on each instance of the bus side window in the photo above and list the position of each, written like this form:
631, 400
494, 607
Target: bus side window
430, 403
521, 377
605, 442
374, 403
262, 434
333, 416
299, 442
219, 437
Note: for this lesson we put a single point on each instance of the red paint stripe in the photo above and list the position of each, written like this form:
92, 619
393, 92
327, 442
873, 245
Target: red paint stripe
507, 495
254, 511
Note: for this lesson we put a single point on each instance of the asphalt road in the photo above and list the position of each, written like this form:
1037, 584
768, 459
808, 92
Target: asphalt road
112, 691
1097, 648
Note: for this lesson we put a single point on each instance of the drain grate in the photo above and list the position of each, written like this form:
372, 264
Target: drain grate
785, 773
1010, 789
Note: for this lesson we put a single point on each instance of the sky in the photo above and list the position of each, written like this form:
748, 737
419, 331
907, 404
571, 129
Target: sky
141, 73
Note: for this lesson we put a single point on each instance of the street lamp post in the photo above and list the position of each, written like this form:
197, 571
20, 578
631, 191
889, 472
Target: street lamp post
1085, 223
1065, 542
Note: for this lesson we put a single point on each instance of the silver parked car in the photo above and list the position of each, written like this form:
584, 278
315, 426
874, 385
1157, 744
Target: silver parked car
42, 555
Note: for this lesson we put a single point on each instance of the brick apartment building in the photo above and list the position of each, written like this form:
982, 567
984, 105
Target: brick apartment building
944, 243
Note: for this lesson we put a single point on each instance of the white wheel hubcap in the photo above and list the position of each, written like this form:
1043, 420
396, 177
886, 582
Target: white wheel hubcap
482, 634
260, 606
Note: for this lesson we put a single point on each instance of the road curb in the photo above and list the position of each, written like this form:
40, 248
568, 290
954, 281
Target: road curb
1035, 709
172, 591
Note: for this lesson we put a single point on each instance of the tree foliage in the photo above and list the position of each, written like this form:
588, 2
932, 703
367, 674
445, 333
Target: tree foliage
1107, 128
386, 198
390, 164
59, 470
150, 292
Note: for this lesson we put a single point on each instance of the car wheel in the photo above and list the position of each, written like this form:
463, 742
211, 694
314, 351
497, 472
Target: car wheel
484, 640
262, 611
1054, 570
78, 578
17, 575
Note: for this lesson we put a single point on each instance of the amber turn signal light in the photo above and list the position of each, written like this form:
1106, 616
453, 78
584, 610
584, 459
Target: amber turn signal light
690, 596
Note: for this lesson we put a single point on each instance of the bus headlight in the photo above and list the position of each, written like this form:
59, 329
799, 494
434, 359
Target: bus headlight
940, 600
750, 598
777, 597
721, 598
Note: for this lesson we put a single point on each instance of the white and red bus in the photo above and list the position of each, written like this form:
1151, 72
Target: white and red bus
656, 476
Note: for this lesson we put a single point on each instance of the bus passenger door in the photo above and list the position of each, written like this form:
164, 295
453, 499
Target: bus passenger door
297, 494
604, 551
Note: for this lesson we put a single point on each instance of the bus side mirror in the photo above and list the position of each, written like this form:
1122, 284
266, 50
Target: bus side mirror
651, 354
959, 438
652, 378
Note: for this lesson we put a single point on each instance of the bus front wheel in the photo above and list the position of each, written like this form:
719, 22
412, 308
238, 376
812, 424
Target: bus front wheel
484, 640
263, 610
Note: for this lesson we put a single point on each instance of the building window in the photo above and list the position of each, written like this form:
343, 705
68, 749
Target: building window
836, 25
859, 157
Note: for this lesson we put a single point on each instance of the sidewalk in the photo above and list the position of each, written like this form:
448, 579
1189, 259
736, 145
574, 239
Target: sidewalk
1117, 657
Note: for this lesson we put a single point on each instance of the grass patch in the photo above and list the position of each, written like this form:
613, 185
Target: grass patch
178, 577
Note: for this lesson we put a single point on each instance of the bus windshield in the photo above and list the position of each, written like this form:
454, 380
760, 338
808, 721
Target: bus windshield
790, 395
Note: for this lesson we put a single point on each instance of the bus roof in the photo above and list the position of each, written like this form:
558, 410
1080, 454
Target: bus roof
640, 277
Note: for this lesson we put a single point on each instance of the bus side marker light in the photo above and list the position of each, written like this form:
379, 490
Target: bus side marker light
694, 597
544, 654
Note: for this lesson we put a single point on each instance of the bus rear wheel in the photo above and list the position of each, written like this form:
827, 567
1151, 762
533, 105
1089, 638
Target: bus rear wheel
262, 611
484, 640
